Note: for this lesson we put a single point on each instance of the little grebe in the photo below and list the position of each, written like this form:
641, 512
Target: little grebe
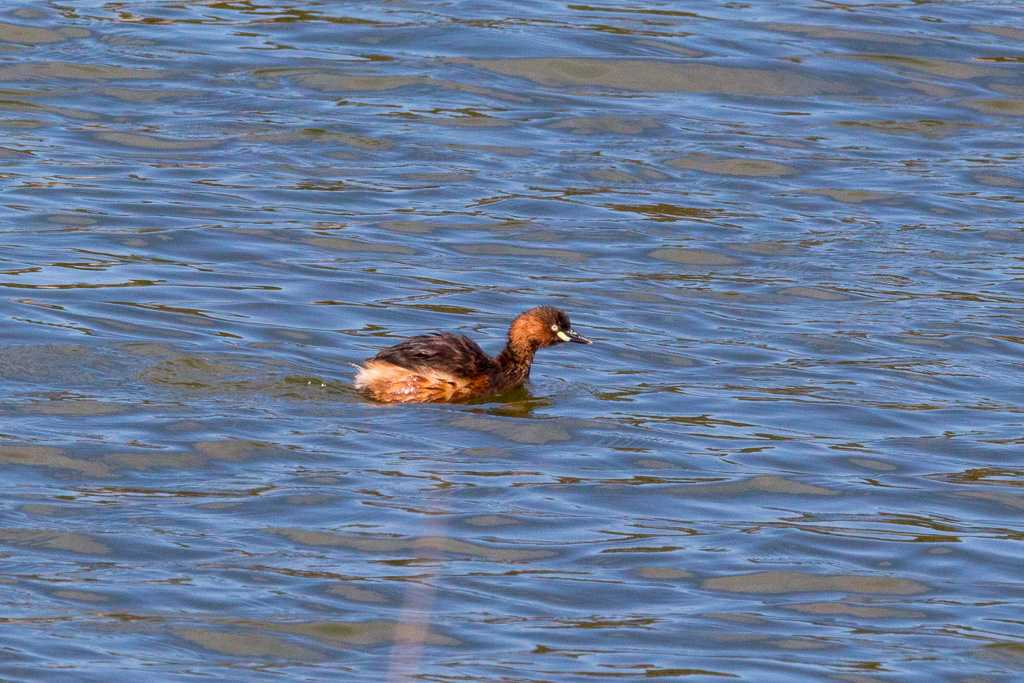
450, 367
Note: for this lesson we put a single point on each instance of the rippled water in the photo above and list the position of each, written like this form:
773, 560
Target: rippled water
794, 231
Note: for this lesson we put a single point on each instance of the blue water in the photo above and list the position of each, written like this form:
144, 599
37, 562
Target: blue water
794, 232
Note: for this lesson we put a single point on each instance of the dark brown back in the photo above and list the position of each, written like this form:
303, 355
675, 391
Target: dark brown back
452, 353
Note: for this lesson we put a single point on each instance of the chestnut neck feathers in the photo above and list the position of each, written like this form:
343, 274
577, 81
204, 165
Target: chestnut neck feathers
515, 359
527, 333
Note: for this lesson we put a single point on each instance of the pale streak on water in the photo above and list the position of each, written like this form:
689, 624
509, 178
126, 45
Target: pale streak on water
793, 229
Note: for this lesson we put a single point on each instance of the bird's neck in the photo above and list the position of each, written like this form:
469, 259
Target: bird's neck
514, 363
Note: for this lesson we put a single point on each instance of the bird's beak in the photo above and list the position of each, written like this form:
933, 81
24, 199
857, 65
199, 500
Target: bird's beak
573, 336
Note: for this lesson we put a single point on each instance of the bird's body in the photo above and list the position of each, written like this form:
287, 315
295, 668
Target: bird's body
445, 367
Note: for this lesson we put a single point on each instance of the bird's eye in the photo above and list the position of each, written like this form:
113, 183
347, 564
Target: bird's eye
554, 327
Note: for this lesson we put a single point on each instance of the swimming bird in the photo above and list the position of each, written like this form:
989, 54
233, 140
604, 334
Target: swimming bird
445, 367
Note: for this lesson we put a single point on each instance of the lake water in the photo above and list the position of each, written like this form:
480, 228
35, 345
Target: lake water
795, 232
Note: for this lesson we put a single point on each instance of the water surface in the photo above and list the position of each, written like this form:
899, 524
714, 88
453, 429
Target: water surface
794, 232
